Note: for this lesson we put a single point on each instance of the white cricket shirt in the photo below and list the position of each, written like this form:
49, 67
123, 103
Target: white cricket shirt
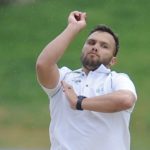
88, 130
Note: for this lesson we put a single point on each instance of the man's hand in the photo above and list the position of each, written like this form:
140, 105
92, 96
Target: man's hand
77, 20
70, 94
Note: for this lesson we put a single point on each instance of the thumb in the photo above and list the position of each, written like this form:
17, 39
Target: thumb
83, 16
65, 85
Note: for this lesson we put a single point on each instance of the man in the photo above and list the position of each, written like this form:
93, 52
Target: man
90, 107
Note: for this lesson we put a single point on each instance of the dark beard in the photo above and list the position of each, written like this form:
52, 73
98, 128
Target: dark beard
90, 64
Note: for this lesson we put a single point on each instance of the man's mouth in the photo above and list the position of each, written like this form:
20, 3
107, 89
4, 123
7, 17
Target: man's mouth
93, 54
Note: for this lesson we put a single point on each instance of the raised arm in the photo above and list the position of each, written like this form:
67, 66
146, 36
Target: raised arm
46, 65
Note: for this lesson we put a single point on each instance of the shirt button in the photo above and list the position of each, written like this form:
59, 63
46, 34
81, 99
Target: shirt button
86, 85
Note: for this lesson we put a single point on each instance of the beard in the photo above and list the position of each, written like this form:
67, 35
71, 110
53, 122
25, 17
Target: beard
91, 63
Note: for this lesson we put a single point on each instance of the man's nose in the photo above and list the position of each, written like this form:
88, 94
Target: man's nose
94, 49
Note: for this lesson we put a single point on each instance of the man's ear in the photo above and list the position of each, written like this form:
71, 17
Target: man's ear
113, 61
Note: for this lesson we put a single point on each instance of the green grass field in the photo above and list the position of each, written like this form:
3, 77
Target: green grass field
26, 29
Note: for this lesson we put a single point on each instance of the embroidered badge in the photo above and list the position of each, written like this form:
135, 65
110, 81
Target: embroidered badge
100, 90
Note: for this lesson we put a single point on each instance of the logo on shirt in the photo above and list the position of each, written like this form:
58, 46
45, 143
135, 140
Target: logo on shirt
100, 90
77, 81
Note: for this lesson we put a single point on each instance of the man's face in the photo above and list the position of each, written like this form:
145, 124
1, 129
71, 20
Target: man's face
98, 49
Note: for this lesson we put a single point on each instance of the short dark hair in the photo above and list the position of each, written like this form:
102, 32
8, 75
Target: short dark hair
104, 28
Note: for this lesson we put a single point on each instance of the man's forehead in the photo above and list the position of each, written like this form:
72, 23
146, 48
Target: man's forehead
103, 36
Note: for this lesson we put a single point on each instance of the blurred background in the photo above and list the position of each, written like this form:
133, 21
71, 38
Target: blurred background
26, 26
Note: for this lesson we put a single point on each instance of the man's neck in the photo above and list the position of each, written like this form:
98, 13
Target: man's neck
87, 70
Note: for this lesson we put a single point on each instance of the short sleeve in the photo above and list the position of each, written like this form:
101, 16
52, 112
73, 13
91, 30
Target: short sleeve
122, 81
51, 92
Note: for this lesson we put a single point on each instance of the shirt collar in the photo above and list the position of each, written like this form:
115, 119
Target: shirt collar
100, 69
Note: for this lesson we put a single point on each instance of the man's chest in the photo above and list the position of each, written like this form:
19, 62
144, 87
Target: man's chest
91, 85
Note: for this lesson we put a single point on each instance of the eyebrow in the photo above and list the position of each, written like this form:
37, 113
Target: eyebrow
102, 42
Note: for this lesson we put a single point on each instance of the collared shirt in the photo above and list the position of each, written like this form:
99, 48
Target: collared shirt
88, 130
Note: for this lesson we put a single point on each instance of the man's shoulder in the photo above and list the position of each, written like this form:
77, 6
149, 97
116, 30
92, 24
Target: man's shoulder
64, 70
67, 71
119, 74
120, 77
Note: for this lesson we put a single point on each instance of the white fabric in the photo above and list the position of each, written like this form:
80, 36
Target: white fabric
88, 130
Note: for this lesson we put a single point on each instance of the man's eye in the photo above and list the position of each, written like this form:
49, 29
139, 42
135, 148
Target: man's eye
104, 46
91, 42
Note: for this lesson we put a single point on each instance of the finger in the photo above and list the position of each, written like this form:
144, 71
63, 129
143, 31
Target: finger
66, 86
63, 83
83, 16
63, 86
77, 15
